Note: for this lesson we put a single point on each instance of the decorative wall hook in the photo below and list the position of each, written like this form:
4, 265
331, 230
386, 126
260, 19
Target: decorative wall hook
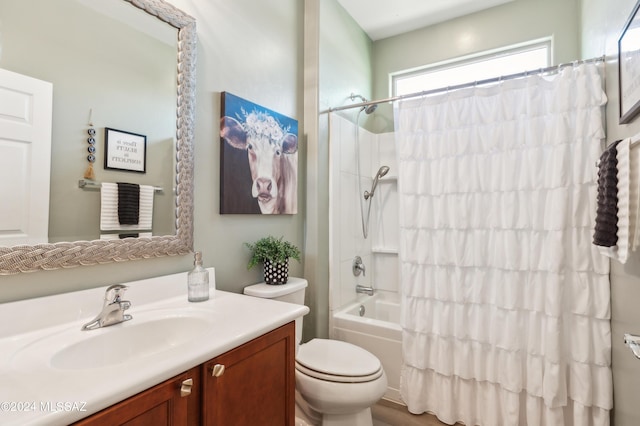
91, 140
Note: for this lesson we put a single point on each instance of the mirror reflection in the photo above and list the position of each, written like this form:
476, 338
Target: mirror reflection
110, 65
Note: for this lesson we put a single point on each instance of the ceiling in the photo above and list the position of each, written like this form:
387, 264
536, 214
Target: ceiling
385, 18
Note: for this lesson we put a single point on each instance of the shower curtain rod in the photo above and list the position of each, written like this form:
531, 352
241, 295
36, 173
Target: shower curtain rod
551, 69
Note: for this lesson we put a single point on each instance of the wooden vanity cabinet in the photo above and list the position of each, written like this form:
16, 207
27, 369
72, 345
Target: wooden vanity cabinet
173, 402
253, 384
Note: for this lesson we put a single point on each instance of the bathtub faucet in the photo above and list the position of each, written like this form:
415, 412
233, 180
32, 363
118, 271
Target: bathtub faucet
365, 290
358, 267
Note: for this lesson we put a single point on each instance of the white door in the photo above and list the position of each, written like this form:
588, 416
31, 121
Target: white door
25, 158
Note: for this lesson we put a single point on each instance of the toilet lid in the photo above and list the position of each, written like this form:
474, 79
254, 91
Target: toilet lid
337, 358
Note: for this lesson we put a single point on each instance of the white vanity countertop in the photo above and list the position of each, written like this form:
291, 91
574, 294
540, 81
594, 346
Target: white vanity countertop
33, 392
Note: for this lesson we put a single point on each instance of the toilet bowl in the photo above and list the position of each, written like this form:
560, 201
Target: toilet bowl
336, 382
339, 381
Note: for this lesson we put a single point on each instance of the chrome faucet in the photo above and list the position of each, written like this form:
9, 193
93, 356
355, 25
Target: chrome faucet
112, 310
365, 290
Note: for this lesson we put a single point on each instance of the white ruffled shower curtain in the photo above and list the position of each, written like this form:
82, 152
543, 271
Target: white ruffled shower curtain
505, 301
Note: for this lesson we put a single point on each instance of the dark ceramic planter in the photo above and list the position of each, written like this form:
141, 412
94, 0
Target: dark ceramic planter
276, 273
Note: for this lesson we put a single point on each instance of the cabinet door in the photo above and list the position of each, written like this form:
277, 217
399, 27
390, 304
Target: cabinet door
253, 384
174, 402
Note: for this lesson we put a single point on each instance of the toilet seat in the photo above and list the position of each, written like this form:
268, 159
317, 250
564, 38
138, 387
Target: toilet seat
337, 361
337, 379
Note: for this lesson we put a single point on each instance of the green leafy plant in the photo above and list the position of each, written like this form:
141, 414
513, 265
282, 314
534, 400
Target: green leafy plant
273, 249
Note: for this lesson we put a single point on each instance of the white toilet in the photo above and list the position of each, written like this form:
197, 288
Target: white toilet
336, 382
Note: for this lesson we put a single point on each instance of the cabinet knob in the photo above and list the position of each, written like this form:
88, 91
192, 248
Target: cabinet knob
217, 370
185, 389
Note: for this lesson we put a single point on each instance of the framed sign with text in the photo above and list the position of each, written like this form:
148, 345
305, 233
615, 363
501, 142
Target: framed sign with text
125, 151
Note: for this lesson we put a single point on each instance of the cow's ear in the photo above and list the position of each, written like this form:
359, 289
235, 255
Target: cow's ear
232, 132
290, 144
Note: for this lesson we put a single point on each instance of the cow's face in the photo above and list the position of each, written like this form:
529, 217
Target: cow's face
266, 143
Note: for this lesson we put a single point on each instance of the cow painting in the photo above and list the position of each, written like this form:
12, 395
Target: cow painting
259, 161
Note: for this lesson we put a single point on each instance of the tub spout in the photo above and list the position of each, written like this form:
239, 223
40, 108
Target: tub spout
365, 290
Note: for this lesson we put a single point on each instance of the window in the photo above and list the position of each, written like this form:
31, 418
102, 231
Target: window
511, 60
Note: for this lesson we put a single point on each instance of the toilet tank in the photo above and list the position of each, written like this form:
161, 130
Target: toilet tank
291, 292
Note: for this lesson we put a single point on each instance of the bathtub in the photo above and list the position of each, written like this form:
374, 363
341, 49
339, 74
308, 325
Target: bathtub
376, 330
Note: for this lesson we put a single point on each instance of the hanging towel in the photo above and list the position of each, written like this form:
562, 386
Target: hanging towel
623, 232
128, 203
109, 208
606, 229
634, 192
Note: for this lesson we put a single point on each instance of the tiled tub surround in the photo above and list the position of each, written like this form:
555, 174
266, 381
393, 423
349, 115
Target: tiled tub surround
379, 250
33, 391
378, 331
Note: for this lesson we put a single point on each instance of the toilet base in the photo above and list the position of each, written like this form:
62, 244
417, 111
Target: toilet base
361, 418
307, 416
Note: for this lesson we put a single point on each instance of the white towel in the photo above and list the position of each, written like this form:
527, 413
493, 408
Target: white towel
620, 251
634, 192
109, 208
117, 236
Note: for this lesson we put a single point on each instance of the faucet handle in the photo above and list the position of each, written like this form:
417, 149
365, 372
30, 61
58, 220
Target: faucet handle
357, 267
114, 293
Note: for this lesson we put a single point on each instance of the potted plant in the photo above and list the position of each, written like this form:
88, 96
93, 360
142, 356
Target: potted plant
274, 253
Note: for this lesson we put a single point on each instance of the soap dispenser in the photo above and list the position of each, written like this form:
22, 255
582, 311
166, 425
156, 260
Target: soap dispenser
198, 281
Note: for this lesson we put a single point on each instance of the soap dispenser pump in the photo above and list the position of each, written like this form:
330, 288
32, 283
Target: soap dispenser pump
198, 281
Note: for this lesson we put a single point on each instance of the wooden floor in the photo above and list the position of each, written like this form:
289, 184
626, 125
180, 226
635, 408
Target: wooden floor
386, 413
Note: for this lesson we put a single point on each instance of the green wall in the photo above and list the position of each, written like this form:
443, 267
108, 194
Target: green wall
503, 25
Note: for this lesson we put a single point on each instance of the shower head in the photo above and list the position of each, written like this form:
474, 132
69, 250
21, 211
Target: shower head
368, 109
381, 172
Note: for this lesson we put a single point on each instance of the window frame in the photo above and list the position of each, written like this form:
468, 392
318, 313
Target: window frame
459, 61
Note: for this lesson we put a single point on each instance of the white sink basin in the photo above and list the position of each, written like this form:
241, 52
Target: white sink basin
146, 334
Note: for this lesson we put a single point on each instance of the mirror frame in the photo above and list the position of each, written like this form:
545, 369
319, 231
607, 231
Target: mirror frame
29, 258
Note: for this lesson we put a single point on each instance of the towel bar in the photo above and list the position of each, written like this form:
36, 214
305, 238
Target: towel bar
87, 184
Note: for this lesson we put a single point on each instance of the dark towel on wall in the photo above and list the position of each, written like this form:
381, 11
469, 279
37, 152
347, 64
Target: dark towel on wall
606, 230
128, 203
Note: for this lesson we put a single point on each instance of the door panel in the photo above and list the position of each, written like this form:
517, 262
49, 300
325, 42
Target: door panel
25, 158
